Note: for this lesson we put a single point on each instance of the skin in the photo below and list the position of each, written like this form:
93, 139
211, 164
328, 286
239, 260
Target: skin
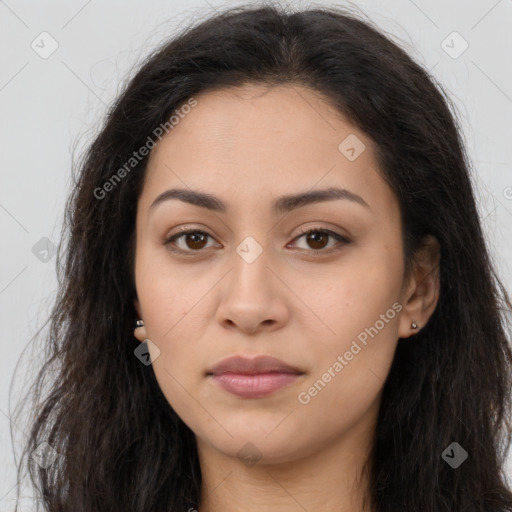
249, 146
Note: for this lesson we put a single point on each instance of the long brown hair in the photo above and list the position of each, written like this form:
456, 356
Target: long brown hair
121, 446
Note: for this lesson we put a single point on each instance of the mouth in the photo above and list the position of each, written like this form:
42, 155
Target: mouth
253, 378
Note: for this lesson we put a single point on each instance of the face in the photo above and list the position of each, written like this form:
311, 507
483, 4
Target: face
249, 282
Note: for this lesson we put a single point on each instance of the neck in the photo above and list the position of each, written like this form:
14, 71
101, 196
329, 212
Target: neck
332, 479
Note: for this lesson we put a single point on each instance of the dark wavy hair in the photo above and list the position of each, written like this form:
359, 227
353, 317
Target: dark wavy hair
121, 446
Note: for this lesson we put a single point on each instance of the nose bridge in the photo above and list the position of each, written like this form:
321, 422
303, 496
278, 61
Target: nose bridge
254, 252
250, 261
253, 296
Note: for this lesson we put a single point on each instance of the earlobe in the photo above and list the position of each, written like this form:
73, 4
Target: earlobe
422, 297
140, 331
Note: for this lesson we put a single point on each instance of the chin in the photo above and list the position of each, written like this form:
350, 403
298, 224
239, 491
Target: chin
254, 445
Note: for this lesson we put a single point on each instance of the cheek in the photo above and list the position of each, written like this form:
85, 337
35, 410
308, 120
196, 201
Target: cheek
353, 298
168, 309
167, 293
349, 375
354, 356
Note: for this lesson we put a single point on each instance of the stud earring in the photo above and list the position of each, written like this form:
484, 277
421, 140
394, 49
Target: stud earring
414, 325
139, 323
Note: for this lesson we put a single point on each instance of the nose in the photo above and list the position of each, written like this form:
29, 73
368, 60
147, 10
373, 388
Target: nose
253, 298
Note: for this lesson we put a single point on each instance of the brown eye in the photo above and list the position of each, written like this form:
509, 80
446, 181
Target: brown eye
317, 240
194, 241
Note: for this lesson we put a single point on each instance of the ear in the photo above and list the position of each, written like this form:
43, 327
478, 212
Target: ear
139, 332
422, 292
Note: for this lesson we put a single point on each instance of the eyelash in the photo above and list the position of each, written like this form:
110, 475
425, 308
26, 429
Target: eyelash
317, 252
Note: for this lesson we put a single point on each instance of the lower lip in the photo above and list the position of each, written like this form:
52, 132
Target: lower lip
254, 386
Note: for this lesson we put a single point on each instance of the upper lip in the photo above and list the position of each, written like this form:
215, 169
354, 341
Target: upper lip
252, 366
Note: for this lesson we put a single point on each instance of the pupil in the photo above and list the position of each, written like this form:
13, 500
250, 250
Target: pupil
313, 236
196, 235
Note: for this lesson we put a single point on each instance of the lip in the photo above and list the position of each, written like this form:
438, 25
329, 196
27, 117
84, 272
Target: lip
253, 377
253, 366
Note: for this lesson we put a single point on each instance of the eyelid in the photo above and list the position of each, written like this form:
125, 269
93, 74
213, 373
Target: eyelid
323, 229
341, 239
187, 229
182, 231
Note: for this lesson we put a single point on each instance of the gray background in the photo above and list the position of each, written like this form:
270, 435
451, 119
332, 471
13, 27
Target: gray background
52, 106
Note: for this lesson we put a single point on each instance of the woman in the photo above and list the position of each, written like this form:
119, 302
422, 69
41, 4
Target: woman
276, 292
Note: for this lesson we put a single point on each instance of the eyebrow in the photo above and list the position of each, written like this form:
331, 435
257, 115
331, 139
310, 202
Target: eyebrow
280, 205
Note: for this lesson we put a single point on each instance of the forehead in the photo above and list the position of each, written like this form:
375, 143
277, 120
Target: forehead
254, 115
254, 142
